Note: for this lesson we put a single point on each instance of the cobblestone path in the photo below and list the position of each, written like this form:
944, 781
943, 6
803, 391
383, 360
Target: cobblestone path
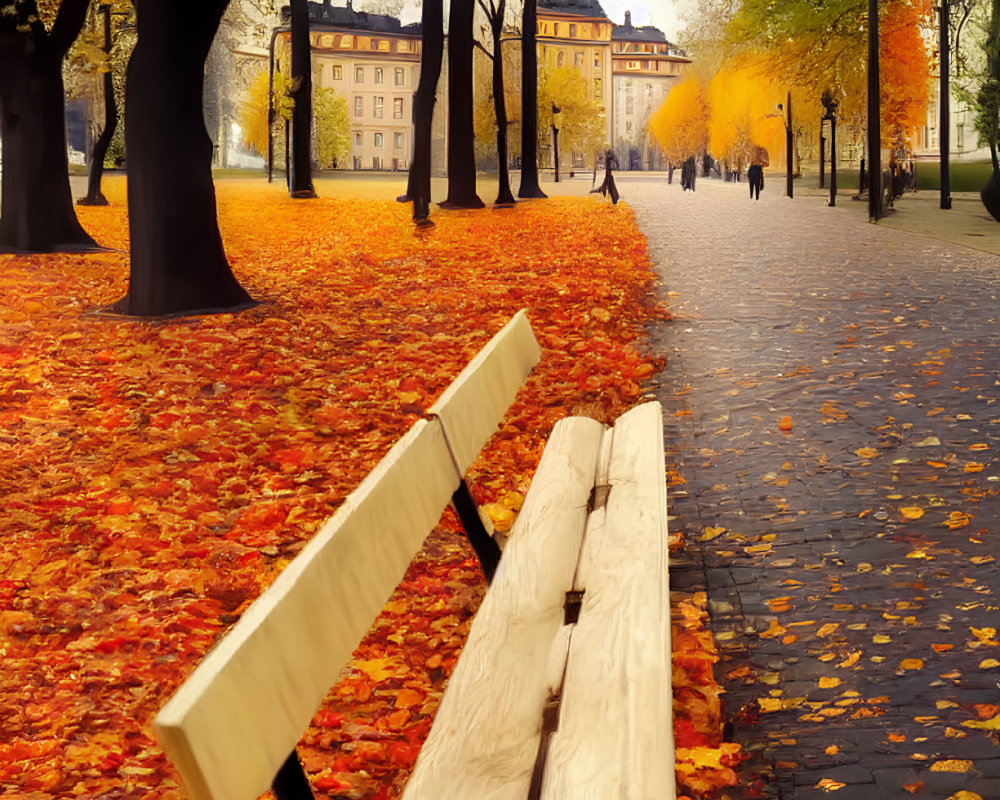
850, 560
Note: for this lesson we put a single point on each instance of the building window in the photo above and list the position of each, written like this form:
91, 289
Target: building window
373, 44
597, 59
400, 78
560, 58
379, 139
403, 47
632, 65
346, 41
397, 108
337, 72
376, 162
397, 141
383, 46
555, 28
378, 75
357, 162
359, 106
597, 88
359, 74
572, 31
377, 107
357, 138
578, 59
960, 136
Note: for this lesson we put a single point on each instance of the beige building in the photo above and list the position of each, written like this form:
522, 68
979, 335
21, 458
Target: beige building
645, 66
374, 62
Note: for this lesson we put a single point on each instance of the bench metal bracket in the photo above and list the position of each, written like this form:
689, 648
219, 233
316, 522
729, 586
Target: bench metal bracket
290, 783
487, 550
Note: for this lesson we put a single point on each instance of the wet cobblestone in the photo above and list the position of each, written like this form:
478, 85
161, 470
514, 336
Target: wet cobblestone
849, 561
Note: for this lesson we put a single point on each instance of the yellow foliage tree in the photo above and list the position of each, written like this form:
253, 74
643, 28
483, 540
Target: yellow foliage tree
743, 116
581, 124
680, 124
253, 111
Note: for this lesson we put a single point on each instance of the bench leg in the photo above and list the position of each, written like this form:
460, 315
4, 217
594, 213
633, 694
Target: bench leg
290, 783
485, 546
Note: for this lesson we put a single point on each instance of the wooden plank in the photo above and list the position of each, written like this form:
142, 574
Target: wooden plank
238, 716
486, 731
475, 402
615, 735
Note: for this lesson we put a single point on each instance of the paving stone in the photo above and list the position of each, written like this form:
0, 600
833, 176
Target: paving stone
882, 347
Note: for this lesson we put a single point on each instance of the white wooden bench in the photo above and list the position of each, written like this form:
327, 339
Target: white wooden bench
549, 699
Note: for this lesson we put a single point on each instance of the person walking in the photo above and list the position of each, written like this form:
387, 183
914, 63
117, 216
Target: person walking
608, 186
755, 177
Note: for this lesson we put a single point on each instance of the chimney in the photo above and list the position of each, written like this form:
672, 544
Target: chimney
628, 20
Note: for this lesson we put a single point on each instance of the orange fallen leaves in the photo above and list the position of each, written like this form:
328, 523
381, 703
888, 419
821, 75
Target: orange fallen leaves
158, 475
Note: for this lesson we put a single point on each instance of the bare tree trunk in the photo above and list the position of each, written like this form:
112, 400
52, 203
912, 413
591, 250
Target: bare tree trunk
300, 177
461, 136
529, 104
95, 197
504, 193
418, 186
36, 210
178, 264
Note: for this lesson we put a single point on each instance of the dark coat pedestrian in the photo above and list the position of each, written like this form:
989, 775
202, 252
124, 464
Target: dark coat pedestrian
687, 174
755, 177
608, 186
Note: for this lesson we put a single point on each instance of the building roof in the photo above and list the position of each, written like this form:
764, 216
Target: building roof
325, 13
644, 33
583, 8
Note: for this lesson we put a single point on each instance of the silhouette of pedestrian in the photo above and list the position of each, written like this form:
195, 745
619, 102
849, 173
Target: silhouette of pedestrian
755, 176
608, 186
687, 174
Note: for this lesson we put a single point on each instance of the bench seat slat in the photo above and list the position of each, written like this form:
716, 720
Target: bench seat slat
234, 721
485, 735
615, 735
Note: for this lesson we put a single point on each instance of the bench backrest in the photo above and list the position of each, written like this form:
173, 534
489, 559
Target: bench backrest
231, 725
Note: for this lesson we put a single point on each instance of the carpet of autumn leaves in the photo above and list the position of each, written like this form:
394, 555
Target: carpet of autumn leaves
157, 475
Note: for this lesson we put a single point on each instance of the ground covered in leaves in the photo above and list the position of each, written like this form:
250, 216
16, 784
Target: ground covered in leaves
157, 475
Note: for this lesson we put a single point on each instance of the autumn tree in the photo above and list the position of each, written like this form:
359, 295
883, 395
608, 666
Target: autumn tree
461, 137
529, 102
743, 116
36, 206
254, 111
581, 124
680, 124
178, 264
333, 142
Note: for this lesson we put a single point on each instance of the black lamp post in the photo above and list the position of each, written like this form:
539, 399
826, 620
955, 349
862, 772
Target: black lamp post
271, 111
874, 118
830, 106
945, 137
788, 144
555, 138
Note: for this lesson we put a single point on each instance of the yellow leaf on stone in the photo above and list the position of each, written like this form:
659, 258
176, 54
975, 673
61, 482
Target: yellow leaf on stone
984, 634
911, 663
989, 663
866, 452
974, 466
774, 630
911, 512
501, 516
710, 533
830, 785
832, 750
769, 704
827, 629
983, 724
881, 638
952, 765
828, 683
850, 661
963, 794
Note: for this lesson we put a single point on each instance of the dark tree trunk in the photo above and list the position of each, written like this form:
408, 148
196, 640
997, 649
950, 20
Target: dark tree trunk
461, 136
504, 193
36, 210
418, 187
95, 197
529, 104
300, 176
178, 263
990, 193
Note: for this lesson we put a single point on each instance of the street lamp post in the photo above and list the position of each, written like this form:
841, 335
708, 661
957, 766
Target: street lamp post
945, 137
271, 112
874, 120
830, 105
555, 138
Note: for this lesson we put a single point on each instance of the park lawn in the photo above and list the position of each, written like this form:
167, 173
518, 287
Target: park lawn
964, 176
157, 475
